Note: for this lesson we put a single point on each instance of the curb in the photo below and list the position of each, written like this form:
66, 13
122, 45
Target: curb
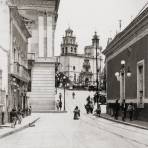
19, 129
49, 111
125, 123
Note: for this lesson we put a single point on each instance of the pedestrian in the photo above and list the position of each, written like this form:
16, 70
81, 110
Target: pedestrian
91, 107
3, 114
60, 105
60, 96
131, 110
76, 113
116, 109
73, 95
19, 116
123, 109
14, 117
57, 104
30, 110
98, 110
88, 99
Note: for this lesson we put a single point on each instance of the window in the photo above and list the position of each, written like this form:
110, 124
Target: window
75, 50
62, 50
66, 50
74, 67
14, 55
140, 84
71, 49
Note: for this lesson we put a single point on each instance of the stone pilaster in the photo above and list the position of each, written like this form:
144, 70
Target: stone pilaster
41, 35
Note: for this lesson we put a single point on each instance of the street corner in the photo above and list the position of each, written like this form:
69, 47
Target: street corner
28, 122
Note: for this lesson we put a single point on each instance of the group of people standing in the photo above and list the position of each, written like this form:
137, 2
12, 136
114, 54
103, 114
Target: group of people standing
16, 115
125, 108
59, 102
90, 106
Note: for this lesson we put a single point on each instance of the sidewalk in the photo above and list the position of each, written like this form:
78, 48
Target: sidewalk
135, 123
6, 130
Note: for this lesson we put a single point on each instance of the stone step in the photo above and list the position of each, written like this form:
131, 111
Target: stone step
50, 88
43, 90
42, 105
42, 74
42, 96
42, 85
43, 79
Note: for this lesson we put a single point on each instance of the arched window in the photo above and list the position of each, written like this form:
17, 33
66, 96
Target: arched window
66, 50
75, 50
62, 50
71, 49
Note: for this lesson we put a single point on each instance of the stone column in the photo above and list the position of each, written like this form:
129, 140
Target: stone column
45, 34
50, 50
41, 35
0, 79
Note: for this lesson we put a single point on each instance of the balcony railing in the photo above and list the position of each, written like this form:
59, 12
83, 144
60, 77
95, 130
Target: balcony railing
20, 71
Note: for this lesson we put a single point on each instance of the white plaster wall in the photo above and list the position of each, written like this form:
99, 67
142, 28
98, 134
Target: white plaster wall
4, 25
49, 37
41, 36
4, 68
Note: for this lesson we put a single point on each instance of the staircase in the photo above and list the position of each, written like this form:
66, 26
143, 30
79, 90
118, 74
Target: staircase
42, 96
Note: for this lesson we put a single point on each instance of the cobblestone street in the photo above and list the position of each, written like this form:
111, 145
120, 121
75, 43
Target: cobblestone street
59, 130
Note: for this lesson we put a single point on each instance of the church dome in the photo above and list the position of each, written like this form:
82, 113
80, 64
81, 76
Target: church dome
69, 30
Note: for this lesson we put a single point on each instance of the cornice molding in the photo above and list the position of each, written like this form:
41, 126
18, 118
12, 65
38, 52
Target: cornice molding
33, 2
136, 27
19, 23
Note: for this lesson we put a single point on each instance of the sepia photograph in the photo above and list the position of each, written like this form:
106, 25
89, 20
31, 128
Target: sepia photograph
73, 73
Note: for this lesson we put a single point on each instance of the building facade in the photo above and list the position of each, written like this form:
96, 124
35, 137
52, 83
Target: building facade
3, 82
40, 17
18, 68
129, 81
80, 68
13, 50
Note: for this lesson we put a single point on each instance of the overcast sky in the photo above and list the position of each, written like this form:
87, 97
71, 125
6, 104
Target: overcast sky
86, 16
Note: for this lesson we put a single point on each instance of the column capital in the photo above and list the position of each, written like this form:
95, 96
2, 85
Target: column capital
41, 13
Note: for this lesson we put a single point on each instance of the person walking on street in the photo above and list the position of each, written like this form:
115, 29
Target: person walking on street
73, 95
116, 109
60, 102
57, 104
60, 105
19, 116
131, 110
3, 114
14, 117
30, 110
60, 96
76, 113
123, 109
98, 110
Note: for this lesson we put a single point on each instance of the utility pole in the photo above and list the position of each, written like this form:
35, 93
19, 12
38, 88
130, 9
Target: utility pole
95, 42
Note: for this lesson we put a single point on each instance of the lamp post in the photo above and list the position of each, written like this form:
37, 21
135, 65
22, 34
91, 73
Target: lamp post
121, 75
64, 83
95, 42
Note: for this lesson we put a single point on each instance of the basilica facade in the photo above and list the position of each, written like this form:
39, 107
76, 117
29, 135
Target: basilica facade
79, 68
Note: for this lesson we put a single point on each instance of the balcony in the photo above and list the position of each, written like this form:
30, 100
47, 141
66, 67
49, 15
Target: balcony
20, 72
